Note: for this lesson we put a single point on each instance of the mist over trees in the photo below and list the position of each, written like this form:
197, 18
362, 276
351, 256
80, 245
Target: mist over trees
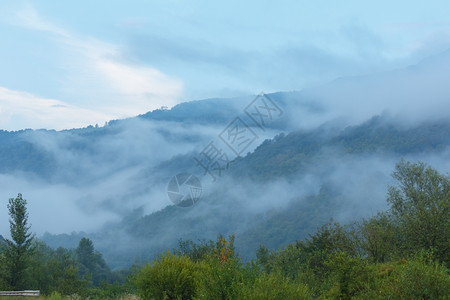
272, 211
280, 192
302, 215
400, 253
225, 150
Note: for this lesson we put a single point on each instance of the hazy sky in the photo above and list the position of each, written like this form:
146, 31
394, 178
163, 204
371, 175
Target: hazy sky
66, 64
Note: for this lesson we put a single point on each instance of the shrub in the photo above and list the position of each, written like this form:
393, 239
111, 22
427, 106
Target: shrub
418, 278
274, 286
350, 275
169, 277
219, 279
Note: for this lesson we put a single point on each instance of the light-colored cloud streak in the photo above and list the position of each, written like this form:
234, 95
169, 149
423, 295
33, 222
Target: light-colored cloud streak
98, 84
20, 110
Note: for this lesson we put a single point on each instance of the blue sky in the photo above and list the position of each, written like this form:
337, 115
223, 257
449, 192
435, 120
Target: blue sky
66, 64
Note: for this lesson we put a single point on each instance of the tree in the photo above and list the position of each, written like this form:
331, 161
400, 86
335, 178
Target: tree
91, 265
85, 253
378, 237
421, 205
18, 250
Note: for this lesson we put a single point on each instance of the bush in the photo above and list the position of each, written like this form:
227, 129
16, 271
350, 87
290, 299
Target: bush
219, 280
274, 286
418, 278
169, 277
221, 273
349, 275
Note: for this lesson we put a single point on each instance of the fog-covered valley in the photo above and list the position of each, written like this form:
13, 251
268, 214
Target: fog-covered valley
327, 154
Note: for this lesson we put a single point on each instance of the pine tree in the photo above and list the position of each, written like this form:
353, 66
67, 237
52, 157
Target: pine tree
18, 250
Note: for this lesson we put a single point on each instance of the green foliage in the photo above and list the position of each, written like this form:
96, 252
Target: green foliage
286, 156
420, 202
329, 239
343, 262
378, 237
219, 280
3, 274
262, 258
311, 254
214, 272
111, 291
91, 264
55, 296
195, 251
17, 252
70, 283
169, 277
418, 278
54, 271
388, 256
85, 253
26, 263
39, 271
222, 272
274, 286
349, 275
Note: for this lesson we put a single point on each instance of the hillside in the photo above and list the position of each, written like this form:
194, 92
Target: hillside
316, 161
290, 164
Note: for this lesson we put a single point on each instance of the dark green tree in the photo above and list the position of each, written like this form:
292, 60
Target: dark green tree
85, 253
378, 237
18, 250
91, 265
420, 202
3, 283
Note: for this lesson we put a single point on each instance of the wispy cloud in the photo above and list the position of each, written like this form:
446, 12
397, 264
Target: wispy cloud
19, 110
29, 17
97, 80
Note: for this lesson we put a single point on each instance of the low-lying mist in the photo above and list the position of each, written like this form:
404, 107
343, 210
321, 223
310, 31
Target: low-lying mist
107, 182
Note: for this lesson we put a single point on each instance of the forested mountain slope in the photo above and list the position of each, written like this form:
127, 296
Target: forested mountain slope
305, 168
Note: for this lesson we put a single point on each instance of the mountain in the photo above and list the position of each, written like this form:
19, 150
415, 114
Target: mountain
258, 200
327, 152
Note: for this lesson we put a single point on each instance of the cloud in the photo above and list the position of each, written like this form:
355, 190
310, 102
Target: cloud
29, 17
411, 95
19, 110
96, 81
142, 83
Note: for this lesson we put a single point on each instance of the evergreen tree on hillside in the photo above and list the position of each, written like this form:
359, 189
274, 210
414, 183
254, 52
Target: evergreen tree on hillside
17, 251
91, 264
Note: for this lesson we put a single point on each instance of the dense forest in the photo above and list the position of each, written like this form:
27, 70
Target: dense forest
401, 253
